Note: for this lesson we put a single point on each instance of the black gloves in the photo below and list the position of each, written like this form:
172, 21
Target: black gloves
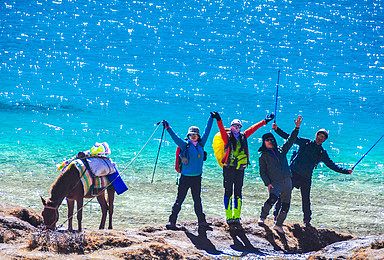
165, 124
269, 117
216, 115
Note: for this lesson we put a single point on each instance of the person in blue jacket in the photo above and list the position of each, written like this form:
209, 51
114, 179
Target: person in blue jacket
192, 155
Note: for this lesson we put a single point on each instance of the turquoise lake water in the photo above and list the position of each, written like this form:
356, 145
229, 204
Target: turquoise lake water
78, 72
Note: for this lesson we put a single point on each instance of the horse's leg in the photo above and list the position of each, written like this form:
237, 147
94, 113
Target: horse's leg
79, 203
104, 208
71, 205
111, 198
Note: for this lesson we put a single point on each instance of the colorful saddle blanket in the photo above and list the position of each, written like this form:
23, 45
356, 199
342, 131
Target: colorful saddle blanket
98, 149
89, 181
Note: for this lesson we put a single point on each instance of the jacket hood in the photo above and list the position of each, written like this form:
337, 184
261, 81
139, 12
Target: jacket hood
263, 148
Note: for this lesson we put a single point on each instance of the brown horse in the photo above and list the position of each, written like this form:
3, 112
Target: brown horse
68, 185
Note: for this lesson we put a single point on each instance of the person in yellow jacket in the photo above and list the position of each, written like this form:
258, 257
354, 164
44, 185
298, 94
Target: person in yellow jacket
235, 161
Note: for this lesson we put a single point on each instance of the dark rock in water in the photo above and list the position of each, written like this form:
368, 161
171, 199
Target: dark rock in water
371, 247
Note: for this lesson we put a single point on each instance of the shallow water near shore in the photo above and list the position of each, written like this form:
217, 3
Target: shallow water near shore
78, 73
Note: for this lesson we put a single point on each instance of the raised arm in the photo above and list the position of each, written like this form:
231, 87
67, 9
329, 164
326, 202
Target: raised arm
253, 128
299, 140
207, 130
280, 132
180, 142
223, 133
292, 138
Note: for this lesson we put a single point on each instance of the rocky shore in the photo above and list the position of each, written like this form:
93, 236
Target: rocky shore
21, 237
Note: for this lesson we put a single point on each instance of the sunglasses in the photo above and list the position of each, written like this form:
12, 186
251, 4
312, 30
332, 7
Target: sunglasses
269, 140
193, 135
238, 126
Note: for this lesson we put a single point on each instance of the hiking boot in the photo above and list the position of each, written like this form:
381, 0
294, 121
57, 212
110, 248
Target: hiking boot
279, 229
236, 221
307, 223
261, 221
230, 221
171, 226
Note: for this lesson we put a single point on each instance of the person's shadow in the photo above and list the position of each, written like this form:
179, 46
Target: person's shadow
271, 238
202, 242
240, 240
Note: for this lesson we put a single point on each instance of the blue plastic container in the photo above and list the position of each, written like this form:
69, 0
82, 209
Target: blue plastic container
117, 182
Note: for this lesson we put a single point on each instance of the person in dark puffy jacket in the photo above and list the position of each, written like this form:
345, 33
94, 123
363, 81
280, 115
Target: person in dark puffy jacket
303, 162
276, 175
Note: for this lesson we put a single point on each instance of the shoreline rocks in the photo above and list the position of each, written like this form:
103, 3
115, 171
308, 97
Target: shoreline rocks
370, 247
21, 238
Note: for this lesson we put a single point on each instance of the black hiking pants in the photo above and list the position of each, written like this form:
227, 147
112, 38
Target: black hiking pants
304, 184
233, 182
186, 182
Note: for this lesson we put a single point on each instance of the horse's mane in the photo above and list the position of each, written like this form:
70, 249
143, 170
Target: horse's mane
60, 183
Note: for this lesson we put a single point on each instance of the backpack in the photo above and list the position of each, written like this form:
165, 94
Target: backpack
180, 153
218, 148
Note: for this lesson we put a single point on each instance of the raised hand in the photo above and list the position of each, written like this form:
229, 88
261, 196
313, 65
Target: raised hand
269, 117
298, 121
216, 115
165, 124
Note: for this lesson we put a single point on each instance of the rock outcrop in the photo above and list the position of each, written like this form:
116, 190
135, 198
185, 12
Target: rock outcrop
21, 239
16, 222
371, 247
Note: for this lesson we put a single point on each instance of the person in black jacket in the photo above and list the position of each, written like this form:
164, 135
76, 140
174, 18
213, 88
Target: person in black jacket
276, 175
303, 162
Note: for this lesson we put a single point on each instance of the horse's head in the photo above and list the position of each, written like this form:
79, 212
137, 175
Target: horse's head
50, 214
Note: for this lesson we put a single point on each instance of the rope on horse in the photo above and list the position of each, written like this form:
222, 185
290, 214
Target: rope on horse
105, 188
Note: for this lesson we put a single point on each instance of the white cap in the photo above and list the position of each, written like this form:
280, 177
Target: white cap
236, 122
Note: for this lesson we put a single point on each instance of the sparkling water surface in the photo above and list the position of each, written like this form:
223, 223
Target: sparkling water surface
78, 72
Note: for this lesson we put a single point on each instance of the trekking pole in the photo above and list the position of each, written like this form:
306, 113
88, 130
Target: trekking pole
277, 93
149, 139
158, 152
367, 152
